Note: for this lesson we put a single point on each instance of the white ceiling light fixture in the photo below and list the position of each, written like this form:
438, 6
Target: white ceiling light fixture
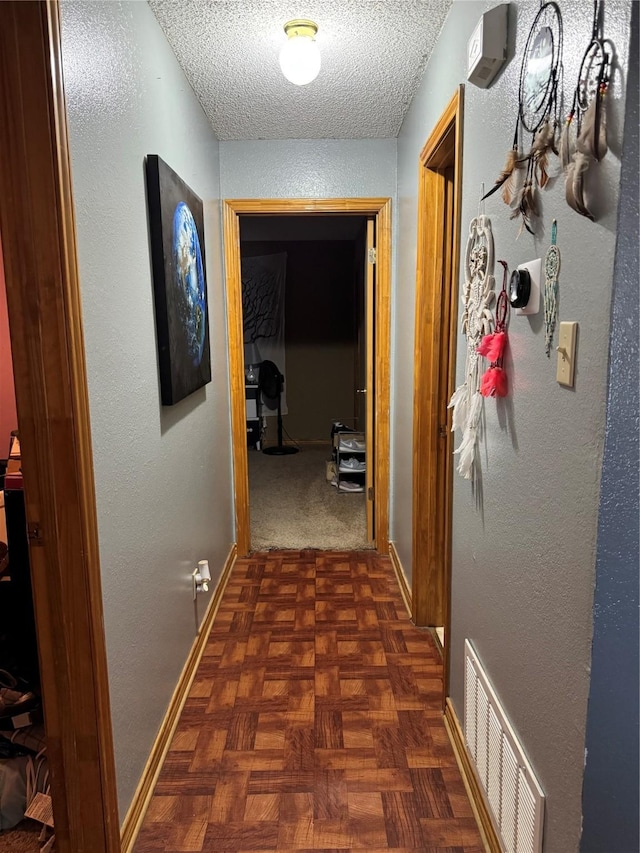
300, 57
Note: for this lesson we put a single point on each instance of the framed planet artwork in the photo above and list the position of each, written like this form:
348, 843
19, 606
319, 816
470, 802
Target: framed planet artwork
176, 225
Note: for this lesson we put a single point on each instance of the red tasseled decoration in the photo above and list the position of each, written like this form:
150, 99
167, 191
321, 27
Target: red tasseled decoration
494, 383
492, 346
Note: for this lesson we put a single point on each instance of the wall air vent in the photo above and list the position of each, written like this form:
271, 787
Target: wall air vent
511, 789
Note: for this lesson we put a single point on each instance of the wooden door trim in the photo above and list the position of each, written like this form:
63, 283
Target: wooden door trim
431, 511
44, 305
380, 208
369, 295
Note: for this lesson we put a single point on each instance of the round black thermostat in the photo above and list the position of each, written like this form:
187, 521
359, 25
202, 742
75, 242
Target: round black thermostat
519, 288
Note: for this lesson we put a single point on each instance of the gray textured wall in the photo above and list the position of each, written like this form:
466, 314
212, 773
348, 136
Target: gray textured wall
610, 794
523, 564
163, 476
308, 168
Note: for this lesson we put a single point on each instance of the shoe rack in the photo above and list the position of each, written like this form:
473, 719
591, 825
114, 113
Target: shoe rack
350, 446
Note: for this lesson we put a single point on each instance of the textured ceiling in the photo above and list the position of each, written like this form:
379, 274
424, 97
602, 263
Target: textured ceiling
373, 55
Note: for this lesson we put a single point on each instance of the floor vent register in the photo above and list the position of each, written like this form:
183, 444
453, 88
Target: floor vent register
514, 795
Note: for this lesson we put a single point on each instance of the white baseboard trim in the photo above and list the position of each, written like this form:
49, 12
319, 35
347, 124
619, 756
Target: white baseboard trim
405, 592
140, 802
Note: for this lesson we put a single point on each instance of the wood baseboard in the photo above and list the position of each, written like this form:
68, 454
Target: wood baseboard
137, 810
476, 796
402, 578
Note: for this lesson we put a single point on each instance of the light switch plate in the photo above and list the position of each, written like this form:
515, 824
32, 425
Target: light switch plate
566, 350
535, 270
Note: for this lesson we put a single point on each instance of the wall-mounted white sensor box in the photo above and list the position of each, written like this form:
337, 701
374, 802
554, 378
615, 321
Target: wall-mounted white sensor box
487, 47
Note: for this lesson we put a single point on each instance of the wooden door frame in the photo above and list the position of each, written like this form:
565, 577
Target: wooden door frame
369, 386
44, 306
432, 438
380, 209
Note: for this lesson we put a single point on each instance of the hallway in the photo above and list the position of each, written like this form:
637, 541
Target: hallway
314, 721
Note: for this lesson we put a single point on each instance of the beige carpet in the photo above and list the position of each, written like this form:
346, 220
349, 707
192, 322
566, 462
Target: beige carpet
292, 505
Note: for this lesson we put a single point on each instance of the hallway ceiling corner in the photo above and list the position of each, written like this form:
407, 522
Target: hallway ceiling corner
373, 56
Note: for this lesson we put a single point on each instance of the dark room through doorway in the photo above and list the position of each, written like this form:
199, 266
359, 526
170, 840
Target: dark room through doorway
304, 285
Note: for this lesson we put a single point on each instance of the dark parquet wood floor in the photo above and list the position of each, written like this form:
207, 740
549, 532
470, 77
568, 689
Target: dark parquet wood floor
314, 722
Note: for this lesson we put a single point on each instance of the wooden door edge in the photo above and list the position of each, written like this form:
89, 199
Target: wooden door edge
369, 311
453, 337
426, 566
380, 208
231, 227
53, 414
383, 376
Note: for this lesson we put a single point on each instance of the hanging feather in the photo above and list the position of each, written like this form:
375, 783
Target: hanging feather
543, 144
475, 409
513, 180
591, 133
574, 184
459, 402
602, 120
581, 164
467, 449
544, 138
530, 200
566, 148
527, 207
601, 145
492, 346
554, 141
592, 139
542, 175
508, 177
494, 382
467, 453
568, 189
546, 145
517, 202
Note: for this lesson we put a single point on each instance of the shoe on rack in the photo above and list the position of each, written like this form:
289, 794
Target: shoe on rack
352, 444
352, 464
13, 699
350, 486
338, 426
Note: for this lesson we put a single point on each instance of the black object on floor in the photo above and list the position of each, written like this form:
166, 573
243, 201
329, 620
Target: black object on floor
271, 383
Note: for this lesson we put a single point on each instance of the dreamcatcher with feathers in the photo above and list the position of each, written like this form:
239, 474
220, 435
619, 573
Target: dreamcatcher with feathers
584, 138
478, 297
538, 114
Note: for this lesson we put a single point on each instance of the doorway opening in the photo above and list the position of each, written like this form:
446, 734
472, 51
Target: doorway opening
438, 251
367, 365
303, 295
23, 754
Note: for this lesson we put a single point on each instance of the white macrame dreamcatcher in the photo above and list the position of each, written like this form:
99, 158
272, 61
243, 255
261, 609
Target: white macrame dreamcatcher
478, 296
